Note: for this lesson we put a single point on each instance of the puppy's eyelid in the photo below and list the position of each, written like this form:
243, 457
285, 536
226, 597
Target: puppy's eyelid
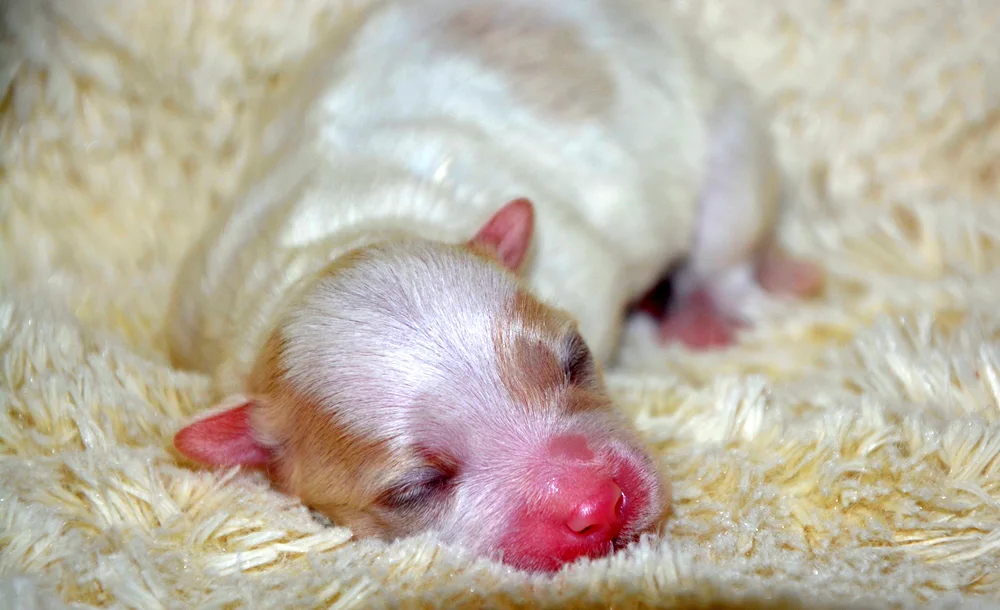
415, 487
578, 362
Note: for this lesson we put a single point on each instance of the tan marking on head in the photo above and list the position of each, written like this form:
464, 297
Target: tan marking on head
331, 469
548, 65
530, 343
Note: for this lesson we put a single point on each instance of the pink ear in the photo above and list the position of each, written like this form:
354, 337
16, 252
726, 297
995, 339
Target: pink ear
508, 233
224, 438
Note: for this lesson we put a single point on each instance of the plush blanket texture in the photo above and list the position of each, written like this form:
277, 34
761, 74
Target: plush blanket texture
846, 454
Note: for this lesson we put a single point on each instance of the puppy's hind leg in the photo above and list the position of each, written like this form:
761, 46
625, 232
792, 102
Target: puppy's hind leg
735, 258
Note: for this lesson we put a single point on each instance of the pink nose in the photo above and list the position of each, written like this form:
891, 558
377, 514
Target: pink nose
591, 518
600, 514
583, 513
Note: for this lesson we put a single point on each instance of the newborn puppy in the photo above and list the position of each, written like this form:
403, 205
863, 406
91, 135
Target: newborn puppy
415, 385
359, 306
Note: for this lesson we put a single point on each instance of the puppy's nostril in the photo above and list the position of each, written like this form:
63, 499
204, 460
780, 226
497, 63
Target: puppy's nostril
600, 511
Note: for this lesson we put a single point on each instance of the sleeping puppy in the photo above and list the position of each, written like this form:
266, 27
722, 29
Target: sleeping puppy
407, 311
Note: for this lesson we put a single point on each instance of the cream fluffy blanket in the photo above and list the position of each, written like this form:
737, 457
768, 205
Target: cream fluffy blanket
848, 453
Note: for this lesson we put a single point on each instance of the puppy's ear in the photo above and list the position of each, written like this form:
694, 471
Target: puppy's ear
507, 234
224, 437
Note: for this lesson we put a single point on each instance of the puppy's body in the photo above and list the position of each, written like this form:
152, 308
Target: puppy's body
637, 149
441, 111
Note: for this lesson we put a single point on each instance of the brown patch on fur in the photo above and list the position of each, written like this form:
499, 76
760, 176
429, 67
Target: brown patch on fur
548, 65
531, 345
538, 358
332, 470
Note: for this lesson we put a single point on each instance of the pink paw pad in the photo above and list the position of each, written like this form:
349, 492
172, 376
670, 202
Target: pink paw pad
698, 324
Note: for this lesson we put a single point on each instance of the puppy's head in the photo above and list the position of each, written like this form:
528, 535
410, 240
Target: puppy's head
418, 386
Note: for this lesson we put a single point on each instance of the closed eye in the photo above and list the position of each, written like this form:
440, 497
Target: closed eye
415, 488
578, 362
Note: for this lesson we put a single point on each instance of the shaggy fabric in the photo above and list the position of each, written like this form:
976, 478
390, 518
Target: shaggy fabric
845, 454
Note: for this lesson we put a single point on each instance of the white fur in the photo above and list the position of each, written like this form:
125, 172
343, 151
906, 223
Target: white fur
385, 354
402, 134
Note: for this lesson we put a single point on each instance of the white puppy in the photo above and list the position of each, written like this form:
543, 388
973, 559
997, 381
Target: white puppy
359, 306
